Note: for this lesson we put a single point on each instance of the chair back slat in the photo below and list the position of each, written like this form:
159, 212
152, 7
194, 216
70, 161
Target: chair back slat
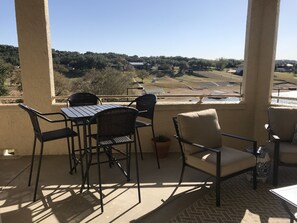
116, 122
81, 99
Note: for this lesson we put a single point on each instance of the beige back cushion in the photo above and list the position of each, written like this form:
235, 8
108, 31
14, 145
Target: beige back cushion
201, 127
282, 121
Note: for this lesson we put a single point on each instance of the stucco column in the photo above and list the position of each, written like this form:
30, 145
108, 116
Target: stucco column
262, 25
35, 52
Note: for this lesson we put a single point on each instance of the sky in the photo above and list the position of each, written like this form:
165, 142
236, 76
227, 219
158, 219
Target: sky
207, 29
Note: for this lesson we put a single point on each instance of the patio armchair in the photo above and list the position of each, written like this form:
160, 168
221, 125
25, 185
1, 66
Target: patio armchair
45, 136
146, 105
200, 139
282, 138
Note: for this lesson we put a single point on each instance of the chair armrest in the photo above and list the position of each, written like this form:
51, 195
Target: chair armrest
275, 137
239, 137
244, 139
267, 127
197, 145
271, 133
44, 117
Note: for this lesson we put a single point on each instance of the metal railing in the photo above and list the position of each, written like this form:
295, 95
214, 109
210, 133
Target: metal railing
125, 98
198, 98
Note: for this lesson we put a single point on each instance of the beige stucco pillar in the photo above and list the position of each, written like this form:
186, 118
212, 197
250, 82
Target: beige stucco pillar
35, 52
262, 25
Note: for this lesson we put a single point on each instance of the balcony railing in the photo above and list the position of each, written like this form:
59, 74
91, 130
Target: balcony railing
197, 98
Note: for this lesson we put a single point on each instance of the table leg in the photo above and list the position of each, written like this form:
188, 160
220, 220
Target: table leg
292, 216
86, 174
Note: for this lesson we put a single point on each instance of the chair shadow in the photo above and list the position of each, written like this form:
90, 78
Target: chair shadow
174, 203
74, 208
239, 202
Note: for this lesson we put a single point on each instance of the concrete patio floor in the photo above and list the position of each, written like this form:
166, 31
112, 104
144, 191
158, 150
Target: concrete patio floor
59, 199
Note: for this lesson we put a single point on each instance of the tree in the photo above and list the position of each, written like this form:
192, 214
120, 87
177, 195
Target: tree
142, 74
61, 84
3, 75
103, 82
221, 63
15, 78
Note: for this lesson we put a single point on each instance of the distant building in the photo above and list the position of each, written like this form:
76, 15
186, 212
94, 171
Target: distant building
285, 68
239, 70
140, 65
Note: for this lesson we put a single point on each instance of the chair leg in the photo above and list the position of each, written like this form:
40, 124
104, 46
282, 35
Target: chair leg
80, 153
275, 163
137, 172
99, 178
275, 173
139, 144
181, 174
38, 171
128, 153
255, 178
108, 152
157, 156
70, 154
218, 191
85, 175
32, 161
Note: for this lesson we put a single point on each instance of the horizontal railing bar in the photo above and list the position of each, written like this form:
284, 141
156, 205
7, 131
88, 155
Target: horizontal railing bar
163, 96
284, 98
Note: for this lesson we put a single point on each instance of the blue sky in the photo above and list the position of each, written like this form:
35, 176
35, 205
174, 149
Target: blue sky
193, 28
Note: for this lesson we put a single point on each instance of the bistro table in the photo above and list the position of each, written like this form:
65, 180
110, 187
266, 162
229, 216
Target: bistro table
81, 114
288, 195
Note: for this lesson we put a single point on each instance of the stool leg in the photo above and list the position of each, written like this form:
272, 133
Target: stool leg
99, 178
38, 171
158, 163
32, 161
138, 139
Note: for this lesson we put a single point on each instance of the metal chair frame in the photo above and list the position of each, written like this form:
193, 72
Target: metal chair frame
218, 178
276, 154
43, 137
115, 126
146, 103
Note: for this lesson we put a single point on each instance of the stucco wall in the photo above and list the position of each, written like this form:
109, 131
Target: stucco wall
16, 131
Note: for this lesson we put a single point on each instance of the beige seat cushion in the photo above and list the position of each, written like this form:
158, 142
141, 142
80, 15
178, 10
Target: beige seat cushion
232, 161
288, 152
282, 121
201, 127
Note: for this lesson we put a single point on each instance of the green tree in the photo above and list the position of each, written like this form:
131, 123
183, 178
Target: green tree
15, 78
3, 75
142, 74
61, 84
221, 63
103, 82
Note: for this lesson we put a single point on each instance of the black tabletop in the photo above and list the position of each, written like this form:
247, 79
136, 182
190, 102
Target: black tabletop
82, 112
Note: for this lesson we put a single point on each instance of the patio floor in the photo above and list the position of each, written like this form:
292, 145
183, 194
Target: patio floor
60, 200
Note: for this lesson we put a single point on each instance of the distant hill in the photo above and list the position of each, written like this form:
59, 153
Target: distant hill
83, 61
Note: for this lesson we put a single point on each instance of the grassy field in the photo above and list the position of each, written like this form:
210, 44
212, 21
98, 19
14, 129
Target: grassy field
204, 82
210, 82
201, 83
